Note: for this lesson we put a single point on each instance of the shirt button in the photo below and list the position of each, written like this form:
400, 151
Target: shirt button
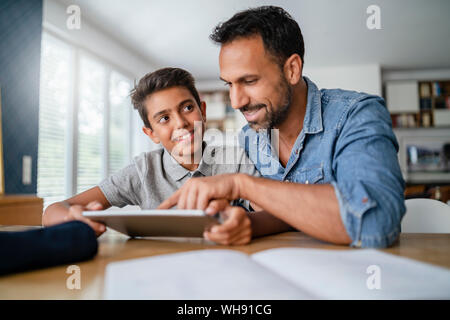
307, 182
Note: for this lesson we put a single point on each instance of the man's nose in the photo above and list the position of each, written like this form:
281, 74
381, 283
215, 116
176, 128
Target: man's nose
238, 97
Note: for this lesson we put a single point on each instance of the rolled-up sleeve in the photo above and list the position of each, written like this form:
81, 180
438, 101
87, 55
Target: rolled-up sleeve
368, 182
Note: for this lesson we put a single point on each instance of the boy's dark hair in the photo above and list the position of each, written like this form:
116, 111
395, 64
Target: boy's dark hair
158, 80
280, 33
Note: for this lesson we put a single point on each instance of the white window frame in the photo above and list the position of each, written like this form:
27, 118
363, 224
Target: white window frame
71, 154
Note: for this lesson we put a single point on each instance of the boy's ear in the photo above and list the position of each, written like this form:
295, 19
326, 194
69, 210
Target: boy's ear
203, 109
149, 132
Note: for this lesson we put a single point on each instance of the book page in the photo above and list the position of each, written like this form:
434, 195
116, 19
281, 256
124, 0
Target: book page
200, 274
357, 274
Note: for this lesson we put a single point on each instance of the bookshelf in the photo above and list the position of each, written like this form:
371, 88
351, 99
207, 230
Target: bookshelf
435, 100
219, 114
420, 113
419, 104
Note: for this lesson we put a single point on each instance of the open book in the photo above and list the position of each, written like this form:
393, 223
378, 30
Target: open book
285, 273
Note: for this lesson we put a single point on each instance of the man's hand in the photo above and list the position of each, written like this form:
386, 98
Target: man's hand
197, 193
236, 230
76, 213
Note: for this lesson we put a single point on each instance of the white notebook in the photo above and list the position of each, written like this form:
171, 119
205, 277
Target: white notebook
285, 273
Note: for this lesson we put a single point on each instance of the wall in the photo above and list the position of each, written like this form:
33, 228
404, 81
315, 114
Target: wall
99, 42
364, 78
91, 37
416, 74
20, 51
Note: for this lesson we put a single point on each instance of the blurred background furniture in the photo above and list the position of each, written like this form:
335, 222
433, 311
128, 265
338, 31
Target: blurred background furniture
21, 210
426, 216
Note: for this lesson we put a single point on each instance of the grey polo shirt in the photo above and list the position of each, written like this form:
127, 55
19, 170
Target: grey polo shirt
154, 176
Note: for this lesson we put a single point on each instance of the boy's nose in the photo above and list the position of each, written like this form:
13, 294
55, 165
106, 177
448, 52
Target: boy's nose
181, 122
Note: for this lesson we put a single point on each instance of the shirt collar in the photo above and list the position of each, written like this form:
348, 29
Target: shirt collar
313, 116
312, 122
207, 161
177, 172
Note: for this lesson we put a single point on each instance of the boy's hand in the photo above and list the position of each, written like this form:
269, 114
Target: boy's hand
76, 213
236, 230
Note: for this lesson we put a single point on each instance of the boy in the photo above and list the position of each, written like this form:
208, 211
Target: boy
174, 116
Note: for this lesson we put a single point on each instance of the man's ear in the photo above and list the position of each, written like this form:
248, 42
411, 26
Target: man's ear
149, 132
203, 110
293, 69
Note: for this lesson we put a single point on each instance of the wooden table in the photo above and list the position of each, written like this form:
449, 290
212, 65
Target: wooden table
50, 283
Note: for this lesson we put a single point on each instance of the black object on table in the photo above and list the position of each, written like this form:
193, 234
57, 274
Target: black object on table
40, 248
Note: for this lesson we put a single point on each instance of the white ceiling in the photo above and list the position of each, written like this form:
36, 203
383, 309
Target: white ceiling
415, 33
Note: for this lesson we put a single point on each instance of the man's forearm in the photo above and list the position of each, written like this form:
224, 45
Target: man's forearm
264, 223
313, 209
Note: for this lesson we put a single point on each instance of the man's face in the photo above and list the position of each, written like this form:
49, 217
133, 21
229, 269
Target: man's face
177, 122
258, 87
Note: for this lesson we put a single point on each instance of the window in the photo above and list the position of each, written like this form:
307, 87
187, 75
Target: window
84, 120
54, 97
90, 123
119, 122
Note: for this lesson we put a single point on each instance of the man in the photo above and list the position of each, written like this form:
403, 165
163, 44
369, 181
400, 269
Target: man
330, 168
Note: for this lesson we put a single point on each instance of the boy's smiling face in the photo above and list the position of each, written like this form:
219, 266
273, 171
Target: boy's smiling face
177, 122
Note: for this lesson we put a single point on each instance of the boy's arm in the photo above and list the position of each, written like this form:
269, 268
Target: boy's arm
72, 208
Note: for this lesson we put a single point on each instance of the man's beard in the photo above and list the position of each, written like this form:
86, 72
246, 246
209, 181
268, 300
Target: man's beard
275, 117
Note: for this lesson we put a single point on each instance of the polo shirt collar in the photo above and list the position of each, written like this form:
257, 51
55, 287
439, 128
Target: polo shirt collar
207, 161
177, 172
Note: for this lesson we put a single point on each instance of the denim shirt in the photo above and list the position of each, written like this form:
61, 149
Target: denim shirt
346, 141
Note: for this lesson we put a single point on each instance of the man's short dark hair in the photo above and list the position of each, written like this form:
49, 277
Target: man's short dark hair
159, 80
280, 33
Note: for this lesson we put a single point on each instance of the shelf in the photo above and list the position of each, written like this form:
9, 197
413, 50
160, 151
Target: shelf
428, 177
414, 104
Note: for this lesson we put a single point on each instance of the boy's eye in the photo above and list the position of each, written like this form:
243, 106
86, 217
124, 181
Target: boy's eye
163, 119
188, 107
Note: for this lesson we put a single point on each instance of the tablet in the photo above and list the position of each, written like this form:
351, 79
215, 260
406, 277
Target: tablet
155, 223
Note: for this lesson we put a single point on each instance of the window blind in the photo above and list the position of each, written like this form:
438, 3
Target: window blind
55, 78
90, 123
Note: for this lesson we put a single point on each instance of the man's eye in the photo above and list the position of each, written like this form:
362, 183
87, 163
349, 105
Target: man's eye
227, 84
164, 119
250, 81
